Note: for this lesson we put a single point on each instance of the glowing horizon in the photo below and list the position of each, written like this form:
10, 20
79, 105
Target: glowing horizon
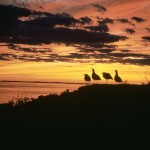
71, 72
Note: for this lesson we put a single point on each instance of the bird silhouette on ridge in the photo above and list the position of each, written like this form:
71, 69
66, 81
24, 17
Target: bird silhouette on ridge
107, 76
95, 76
117, 78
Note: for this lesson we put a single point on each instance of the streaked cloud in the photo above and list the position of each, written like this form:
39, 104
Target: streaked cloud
28, 49
146, 38
93, 36
138, 19
44, 29
99, 8
130, 31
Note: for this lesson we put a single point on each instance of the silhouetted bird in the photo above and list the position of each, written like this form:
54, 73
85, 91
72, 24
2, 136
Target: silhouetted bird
117, 78
107, 76
87, 78
95, 76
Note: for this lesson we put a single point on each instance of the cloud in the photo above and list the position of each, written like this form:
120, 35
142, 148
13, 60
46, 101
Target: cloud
105, 20
100, 28
125, 50
7, 56
102, 56
146, 38
9, 18
44, 19
13, 12
130, 54
143, 61
39, 35
29, 49
106, 51
123, 20
138, 19
97, 47
30, 57
99, 8
42, 28
130, 31
77, 56
51, 20
85, 20
148, 29
132, 58
91, 39
129, 58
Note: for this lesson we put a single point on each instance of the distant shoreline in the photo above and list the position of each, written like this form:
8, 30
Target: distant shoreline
55, 82
42, 82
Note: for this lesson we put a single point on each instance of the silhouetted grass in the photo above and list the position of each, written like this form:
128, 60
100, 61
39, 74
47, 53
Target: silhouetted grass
92, 117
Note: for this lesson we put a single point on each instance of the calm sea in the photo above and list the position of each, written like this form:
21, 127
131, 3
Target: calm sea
15, 90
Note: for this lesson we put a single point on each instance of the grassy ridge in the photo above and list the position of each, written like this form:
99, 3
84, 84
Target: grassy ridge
93, 117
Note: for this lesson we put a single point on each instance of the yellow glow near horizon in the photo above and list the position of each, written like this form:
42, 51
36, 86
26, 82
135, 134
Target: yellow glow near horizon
71, 72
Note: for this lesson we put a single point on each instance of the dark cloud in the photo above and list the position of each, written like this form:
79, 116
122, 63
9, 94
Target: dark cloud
44, 19
42, 27
130, 31
105, 20
148, 29
125, 50
29, 49
99, 28
146, 38
28, 57
135, 55
124, 20
97, 47
138, 59
99, 8
106, 56
77, 55
85, 20
67, 36
106, 50
129, 58
10, 18
143, 61
138, 19
51, 20
8, 57
13, 12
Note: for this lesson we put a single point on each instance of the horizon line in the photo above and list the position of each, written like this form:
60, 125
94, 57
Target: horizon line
55, 82
58, 82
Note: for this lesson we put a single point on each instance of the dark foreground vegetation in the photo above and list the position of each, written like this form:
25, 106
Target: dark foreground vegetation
104, 117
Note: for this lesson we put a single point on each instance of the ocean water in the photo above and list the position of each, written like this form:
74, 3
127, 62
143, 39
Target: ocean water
15, 90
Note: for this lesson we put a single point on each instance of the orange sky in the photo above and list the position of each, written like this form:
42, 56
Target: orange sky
68, 62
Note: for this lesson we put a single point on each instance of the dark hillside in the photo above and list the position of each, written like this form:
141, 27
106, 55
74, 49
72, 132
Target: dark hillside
93, 117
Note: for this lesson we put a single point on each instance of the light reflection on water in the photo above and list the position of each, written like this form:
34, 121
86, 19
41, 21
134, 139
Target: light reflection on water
15, 90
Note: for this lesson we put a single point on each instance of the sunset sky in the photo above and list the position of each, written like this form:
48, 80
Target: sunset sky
61, 40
